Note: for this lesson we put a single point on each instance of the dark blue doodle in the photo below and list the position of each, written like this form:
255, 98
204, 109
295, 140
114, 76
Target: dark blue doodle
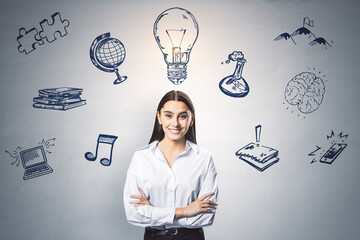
107, 54
57, 27
306, 91
102, 139
63, 98
285, 36
15, 154
34, 159
235, 85
30, 40
176, 31
306, 32
258, 156
35, 162
335, 145
320, 41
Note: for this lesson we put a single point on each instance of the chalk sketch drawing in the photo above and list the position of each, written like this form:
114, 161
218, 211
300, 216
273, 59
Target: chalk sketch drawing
175, 31
107, 54
63, 98
103, 140
34, 159
56, 27
306, 91
28, 40
235, 85
49, 30
257, 155
332, 149
306, 32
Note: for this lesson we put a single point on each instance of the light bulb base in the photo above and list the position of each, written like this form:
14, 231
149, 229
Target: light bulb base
176, 72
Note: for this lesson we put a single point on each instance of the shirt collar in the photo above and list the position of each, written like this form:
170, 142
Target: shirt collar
192, 145
189, 145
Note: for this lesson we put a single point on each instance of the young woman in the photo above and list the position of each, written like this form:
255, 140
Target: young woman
171, 184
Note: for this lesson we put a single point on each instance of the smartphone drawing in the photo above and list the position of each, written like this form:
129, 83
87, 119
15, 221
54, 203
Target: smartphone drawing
332, 153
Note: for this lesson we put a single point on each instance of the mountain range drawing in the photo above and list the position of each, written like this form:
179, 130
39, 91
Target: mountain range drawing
306, 32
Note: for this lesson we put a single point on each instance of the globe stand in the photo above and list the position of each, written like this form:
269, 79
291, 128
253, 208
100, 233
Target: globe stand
119, 79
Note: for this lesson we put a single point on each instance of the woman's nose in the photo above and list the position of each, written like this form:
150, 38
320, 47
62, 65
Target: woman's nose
175, 121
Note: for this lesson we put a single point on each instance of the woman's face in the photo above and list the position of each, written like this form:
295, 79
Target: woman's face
175, 119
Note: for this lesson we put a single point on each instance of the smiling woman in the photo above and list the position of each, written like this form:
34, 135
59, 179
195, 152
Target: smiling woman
171, 184
180, 98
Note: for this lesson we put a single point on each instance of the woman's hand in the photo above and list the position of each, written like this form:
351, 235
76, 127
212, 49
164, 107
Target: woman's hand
198, 206
142, 199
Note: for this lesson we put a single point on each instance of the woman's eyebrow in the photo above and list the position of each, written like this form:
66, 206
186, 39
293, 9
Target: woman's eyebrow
184, 112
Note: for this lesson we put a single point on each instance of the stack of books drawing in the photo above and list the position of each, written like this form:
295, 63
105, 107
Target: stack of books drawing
59, 98
258, 156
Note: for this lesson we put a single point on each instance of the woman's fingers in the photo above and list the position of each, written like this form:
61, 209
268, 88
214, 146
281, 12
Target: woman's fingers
142, 193
208, 206
209, 202
139, 205
142, 199
207, 210
136, 196
205, 196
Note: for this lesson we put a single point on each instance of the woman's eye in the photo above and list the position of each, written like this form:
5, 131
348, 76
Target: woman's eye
183, 116
168, 115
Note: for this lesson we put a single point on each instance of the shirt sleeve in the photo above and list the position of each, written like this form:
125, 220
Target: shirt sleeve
144, 216
209, 185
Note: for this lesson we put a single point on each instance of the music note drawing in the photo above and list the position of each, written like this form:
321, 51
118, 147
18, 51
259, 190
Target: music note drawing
107, 144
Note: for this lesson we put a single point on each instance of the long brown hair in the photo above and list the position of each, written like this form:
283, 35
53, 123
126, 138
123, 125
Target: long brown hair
158, 133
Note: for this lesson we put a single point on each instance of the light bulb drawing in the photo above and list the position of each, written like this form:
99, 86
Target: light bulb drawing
176, 31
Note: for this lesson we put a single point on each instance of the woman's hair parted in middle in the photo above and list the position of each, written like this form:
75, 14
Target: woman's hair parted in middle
158, 133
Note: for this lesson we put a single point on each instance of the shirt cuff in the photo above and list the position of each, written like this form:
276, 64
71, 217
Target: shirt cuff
163, 215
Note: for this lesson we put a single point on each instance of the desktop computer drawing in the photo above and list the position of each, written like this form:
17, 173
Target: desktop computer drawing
35, 162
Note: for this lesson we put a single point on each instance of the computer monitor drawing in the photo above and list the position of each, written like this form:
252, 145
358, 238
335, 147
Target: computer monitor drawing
35, 163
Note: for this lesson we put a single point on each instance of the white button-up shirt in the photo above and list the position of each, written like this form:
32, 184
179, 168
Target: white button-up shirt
192, 175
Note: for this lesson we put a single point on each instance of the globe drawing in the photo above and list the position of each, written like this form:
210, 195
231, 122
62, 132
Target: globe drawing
110, 52
107, 54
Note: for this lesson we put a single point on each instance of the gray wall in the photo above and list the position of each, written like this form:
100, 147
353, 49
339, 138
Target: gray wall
293, 199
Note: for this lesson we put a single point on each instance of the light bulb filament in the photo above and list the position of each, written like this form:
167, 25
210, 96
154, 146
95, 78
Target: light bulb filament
176, 36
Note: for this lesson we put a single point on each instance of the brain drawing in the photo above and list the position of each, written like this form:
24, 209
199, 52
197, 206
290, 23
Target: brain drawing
306, 91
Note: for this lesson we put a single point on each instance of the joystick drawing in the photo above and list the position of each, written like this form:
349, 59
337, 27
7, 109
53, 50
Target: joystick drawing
235, 85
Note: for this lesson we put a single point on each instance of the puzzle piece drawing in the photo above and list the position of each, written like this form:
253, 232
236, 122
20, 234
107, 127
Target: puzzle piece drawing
28, 40
49, 29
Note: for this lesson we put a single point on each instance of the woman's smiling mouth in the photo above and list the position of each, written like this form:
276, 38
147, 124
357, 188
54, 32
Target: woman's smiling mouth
175, 131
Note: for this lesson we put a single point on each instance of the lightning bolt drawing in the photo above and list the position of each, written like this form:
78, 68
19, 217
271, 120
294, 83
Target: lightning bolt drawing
332, 135
313, 153
343, 136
